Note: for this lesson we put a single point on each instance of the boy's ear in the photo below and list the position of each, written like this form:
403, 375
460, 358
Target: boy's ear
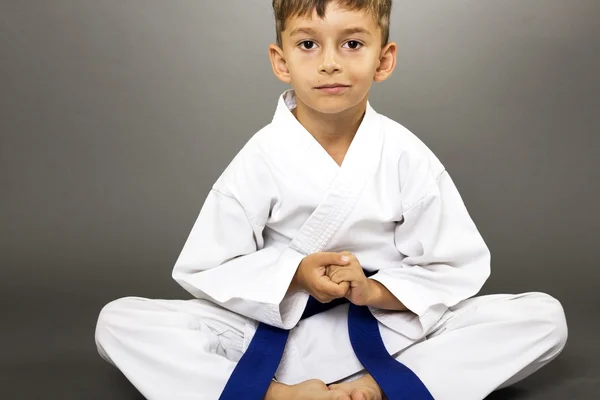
387, 62
279, 64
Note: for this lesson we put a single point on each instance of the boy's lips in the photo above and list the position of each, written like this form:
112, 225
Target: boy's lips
335, 88
331, 86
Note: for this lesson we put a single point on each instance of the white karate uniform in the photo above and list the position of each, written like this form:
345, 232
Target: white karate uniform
393, 205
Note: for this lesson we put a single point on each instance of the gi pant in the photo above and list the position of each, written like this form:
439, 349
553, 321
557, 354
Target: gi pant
187, 349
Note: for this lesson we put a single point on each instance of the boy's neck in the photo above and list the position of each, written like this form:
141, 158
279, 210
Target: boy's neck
333, 131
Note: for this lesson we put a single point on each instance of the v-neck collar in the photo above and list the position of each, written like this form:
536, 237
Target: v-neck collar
366, 136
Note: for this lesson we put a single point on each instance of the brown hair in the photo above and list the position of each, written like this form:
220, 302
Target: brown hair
286, 9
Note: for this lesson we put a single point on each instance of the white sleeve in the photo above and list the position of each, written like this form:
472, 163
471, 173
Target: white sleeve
224, 261
445, 258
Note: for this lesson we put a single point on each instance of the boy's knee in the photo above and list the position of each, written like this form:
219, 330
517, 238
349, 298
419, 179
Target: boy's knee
558, 320
110, 314
549, 312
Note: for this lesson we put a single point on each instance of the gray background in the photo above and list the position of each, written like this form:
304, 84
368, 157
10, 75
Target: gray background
116, 116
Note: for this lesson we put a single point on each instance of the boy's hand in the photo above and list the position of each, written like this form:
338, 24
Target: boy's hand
312, 277
361, 290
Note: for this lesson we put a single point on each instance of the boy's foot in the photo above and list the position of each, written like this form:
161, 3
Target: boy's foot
313, 389
364, 388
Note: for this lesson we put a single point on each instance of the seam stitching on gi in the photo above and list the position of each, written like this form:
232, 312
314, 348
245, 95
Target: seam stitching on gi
416, 203
425, 195
437, 178
250, 217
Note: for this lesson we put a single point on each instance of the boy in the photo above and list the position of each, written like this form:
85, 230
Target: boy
328, 193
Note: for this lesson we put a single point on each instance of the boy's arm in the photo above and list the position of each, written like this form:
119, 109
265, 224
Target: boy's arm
446, 259
224, 260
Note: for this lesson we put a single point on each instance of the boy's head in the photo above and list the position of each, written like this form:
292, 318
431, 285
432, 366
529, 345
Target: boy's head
332, 42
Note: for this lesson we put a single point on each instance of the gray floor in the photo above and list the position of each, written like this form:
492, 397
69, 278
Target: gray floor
50, 354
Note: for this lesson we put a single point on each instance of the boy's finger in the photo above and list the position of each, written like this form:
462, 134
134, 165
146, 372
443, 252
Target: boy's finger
342, 275
341, 290
333, 269
345, 286
323, 285
330, 288
333, 258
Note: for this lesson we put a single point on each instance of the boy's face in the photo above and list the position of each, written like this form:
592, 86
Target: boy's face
343, 50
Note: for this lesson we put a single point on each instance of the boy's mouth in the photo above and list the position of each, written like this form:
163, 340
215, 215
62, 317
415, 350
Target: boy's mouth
335, 88
332, 86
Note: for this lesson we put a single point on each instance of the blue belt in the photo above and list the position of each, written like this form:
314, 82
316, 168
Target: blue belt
255, 371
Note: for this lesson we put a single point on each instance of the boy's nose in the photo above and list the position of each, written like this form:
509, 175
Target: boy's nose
329, 64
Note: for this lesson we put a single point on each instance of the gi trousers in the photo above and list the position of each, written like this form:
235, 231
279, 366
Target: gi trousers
187, 349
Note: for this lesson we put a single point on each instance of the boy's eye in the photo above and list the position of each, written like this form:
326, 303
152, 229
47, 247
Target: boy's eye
307, 44
353, 44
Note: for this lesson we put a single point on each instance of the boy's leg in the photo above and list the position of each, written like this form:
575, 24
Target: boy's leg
489, 343
171, 349
177, 349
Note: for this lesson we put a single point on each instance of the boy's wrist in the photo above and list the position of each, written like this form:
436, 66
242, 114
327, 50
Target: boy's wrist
381, 297
374, 293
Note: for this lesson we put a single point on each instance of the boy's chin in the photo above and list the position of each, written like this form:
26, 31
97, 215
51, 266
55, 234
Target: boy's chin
334, 105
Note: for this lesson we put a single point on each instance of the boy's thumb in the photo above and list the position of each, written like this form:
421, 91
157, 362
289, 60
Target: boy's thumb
333, 259
345, 256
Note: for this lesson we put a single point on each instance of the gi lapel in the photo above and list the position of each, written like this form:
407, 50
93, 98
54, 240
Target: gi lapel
360, 164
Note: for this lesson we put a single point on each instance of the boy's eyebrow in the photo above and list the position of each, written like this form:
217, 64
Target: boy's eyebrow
347, 31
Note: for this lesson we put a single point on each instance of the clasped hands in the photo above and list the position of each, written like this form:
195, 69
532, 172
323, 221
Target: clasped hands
330, 276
